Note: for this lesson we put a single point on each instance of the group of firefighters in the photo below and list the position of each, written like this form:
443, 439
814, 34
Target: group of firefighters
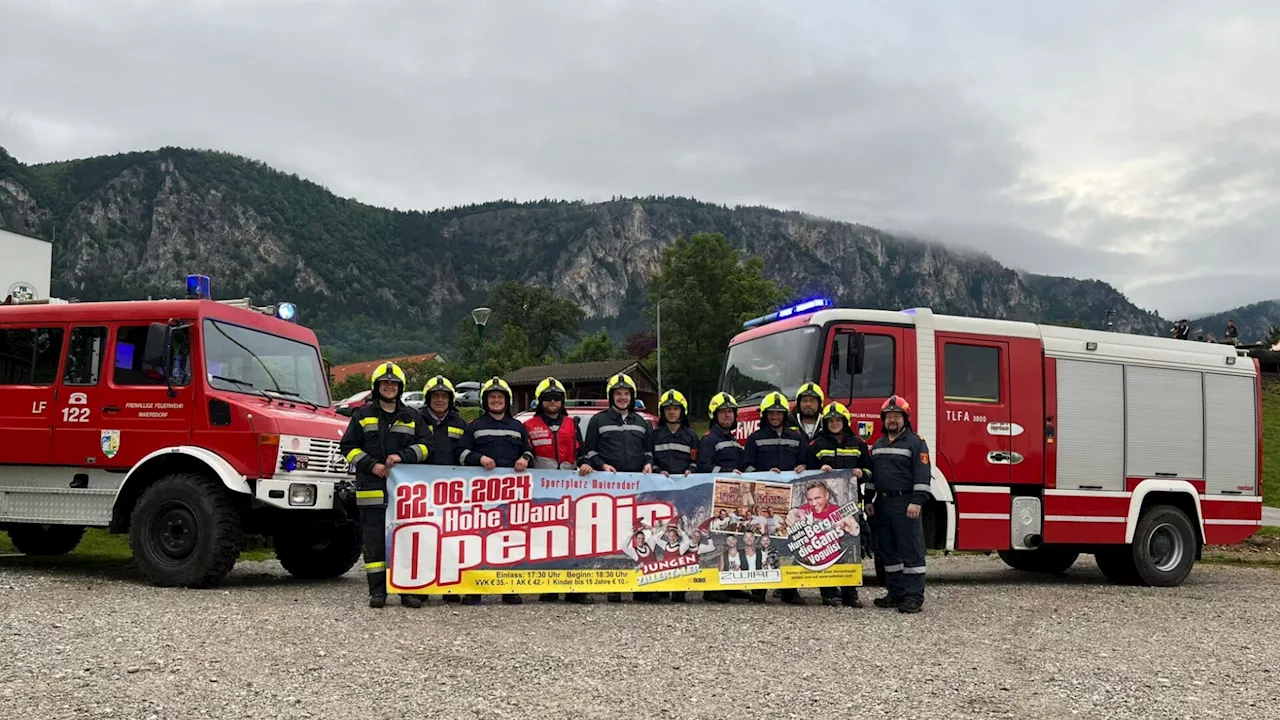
894, 473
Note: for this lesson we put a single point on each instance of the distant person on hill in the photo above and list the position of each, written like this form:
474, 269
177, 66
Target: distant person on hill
1232, 333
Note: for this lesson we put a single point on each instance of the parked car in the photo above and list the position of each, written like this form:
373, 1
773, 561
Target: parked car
348, 406
467, 394
582, 410
414, 399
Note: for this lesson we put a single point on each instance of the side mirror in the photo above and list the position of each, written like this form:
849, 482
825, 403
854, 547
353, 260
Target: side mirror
155, 352
857, 353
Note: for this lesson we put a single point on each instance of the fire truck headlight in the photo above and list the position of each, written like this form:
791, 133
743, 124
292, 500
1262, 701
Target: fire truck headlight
302, 494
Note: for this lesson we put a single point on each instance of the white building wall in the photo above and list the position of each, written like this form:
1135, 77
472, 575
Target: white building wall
26, 265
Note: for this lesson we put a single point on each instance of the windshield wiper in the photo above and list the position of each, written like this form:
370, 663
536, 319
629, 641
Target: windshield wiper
252, 354
295, 396
241, 383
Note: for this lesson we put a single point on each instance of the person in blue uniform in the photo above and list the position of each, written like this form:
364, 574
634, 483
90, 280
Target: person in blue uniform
900, 486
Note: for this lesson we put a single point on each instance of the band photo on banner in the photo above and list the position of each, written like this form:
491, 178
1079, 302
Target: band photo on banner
451, 531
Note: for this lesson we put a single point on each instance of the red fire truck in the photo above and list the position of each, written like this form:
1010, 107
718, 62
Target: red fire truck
1048, 442
185, 423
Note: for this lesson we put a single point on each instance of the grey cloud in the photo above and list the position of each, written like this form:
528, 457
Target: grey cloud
941, 119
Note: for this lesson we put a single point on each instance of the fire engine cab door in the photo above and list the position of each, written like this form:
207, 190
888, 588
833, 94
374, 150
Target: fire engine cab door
974, 410
29, 361
139, 413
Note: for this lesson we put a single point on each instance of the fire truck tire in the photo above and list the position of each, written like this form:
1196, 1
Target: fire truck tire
45, 539
185, 532
1047, 559
1164, 547
319, 552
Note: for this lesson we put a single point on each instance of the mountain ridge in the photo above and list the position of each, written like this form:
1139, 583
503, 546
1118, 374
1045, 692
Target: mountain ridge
135, 223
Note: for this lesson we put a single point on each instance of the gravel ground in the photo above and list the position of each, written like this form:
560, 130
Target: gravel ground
991, 643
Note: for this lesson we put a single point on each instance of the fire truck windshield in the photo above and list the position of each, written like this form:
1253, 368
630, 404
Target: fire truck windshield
241, 360
783, 361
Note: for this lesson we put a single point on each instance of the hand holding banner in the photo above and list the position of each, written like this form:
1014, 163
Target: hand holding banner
450, 530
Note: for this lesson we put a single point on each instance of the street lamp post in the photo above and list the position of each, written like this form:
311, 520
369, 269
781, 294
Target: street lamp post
481, 316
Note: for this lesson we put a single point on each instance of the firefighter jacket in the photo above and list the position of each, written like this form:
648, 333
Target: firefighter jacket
626, 444
767, 448
505, 440
674, 452
446, 433
554, 441
901, 467
846, 453
720, 451
373, 435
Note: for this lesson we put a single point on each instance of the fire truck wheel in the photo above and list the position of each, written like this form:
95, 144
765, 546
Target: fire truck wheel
1164, 546
45, 539
319, 552
1047, 559
185, 532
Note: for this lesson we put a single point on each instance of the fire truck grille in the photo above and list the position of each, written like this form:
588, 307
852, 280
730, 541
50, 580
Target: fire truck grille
322, 455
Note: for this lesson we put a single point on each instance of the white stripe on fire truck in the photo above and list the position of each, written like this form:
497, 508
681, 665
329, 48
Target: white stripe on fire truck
984, 516
1085, 518
1232, 522
1233, 498
1089, 493
981, 489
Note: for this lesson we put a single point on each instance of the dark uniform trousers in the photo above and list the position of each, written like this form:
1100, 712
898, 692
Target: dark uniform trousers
901, 477
371, 436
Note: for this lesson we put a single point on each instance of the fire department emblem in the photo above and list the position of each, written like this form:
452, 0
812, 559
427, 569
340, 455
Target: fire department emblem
110, 443
865, 428
23, 291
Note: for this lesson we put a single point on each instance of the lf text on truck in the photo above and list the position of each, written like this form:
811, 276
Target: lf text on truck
1047, 442
186, 423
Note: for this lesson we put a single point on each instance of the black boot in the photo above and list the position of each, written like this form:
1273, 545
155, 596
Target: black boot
614, 597
790, 596
512, 600
548, 597
411, 601
715, 596
377, 601
453, 599
759, 596
471, 599
910, 606
849, 597
886, 602
579, 599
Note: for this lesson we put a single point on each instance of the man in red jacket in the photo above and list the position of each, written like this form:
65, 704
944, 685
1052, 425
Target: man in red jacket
554, 437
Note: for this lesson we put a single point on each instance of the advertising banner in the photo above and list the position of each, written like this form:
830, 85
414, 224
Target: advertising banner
468, 530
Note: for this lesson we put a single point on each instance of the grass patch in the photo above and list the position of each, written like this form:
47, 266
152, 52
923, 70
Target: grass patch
100, 545
1268, 531
1271, 443
469, 413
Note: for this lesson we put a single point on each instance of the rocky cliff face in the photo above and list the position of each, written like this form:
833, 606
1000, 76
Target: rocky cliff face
136, 224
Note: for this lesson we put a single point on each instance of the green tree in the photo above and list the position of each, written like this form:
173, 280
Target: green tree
546, 320
1273, 335
595, 348
706, 292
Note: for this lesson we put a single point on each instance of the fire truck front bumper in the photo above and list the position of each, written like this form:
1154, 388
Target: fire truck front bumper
300, 491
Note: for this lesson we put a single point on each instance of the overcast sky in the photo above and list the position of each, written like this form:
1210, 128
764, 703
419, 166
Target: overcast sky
1136, 142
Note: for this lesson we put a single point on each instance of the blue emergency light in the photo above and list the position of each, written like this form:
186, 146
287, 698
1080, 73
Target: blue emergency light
287, 311
789, 311
198, 286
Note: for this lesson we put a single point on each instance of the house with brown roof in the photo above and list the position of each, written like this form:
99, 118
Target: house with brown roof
583, 381
366, 367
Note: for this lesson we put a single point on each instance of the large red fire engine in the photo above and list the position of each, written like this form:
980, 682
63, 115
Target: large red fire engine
1048, 441
185, 423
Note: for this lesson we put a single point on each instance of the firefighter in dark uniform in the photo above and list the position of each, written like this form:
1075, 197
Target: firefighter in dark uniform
776, 446
619, 440
900, 486
382, 434
675, 445
554, 439
493, 440
809, 403
446, 424
719, 451
838, 447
